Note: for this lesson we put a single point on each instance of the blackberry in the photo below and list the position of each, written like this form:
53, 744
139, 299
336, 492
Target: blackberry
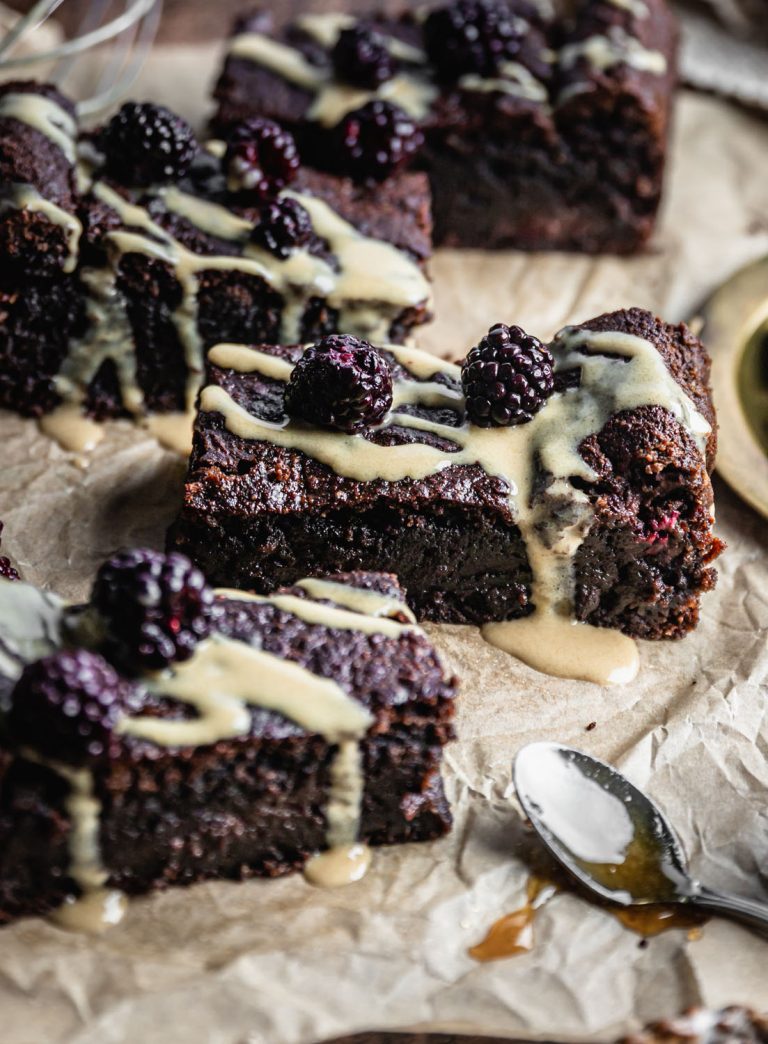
506, 378
7, 571
154, 607
472, 36
145, 144
374, 141
66, 706
284, 226
361, 57
261, 158
340, 382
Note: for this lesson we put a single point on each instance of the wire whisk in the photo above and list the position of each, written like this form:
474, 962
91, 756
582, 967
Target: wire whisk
123, 29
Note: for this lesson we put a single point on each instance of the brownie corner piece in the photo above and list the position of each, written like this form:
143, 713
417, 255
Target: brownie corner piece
322, 731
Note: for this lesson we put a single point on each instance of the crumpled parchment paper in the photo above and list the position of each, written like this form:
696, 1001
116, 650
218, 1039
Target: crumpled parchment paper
279, 962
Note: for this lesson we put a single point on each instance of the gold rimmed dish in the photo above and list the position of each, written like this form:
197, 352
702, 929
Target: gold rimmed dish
735, 330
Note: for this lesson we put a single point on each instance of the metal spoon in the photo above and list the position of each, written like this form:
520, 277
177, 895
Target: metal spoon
611, 837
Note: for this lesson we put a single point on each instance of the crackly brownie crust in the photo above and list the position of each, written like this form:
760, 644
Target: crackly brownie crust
250, 806
52, 295
576, 163
256, 515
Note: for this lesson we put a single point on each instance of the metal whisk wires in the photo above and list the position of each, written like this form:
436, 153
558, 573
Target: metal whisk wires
124, 29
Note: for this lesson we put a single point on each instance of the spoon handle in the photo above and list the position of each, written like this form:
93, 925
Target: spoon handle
749, 912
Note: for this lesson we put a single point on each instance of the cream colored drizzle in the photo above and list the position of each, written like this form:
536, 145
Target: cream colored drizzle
279, 58
225, 677
555, 522
638, 8
172, 430
26, 197
108, 336
375, 283
325, 29
249, 360
616, 48
69, 426
341, 619
98, 907
430, 394
411, 91
211, 218
44, 116
339, 866
514, 79
358, 599
423, 365
371, 270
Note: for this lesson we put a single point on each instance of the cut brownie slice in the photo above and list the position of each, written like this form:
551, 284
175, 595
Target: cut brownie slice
537, 133
599, 509
311, 718
127, 251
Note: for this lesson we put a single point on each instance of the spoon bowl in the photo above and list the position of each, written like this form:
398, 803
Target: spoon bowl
610, 836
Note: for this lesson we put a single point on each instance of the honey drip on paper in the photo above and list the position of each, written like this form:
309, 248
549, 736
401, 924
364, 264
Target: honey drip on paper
514, 933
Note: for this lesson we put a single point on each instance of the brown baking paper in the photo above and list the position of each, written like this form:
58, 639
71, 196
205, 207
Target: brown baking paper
280, 962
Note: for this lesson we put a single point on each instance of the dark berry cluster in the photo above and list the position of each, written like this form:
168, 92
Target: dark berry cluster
66, 706
361, 57
340, 382
261, 159
7, 571
506, 378
147, 144
471, 36
154, 608
376, 140
284, 226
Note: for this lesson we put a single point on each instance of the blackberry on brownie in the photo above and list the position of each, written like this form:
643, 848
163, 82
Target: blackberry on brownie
261, 159
361, 57
376, 140
284, 226
340, 382
154, 608
145, 144
507, 377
